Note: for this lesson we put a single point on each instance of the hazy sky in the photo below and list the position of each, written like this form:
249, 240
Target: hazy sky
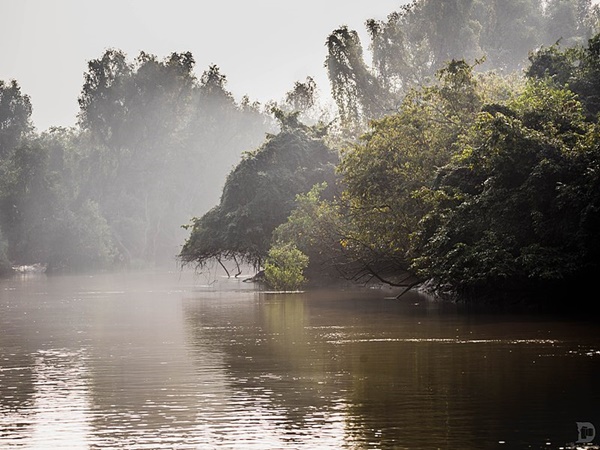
262, 46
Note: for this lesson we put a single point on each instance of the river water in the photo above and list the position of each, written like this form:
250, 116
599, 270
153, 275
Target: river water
175, 360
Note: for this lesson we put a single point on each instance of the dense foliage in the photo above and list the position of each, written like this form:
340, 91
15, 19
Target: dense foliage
163, 142
15, 124
367, 231
284, 267
395, 158
484, 186
517, 209
466, 153
420, 38
259, 195
44, 218
316, 227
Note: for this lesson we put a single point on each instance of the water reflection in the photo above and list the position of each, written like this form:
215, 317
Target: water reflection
400, 375
57, 412
139, 361
60, 416
278, 394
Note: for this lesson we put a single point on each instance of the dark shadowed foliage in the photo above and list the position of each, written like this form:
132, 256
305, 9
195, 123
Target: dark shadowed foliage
517, 211
259, 194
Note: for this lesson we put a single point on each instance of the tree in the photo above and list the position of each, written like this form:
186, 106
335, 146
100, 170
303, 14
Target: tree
15, 117
29, 195
514, 211
134, 113
356, 90
304, 99
218, 133
397, 157
576, 67
509, 31
418, 39
44, 216
259, 195
102, 98
15, 125
159, 145
317, 226
570, 21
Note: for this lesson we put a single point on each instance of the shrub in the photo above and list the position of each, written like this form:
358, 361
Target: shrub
284, 267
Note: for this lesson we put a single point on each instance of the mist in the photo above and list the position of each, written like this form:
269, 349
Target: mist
154, 145
274, 225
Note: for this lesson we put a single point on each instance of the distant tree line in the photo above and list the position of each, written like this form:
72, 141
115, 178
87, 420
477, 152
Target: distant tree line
152, 147
416, 41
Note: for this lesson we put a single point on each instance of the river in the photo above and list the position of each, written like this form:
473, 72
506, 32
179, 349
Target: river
174, 360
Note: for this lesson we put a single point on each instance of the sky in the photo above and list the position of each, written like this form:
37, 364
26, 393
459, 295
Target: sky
262, 46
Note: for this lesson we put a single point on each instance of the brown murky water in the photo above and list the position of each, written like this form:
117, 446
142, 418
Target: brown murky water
166, 361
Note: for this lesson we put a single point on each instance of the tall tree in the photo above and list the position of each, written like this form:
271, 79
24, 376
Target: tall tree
15, 117
394, 160
15, 125
160, 144
355, 88
102, 98
133, 113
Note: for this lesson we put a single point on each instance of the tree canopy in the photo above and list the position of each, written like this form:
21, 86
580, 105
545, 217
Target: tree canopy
161, 143
481, 184
258, 195
418, 39
15, 117
519, 201
152, 147
367, 230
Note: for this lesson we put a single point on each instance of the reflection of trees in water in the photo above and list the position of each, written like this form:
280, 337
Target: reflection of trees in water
396, 373
341, 369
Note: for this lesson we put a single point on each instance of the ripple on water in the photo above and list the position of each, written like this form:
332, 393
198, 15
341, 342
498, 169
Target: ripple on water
155, 367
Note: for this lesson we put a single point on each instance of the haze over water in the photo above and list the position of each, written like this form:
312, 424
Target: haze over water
173, 360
